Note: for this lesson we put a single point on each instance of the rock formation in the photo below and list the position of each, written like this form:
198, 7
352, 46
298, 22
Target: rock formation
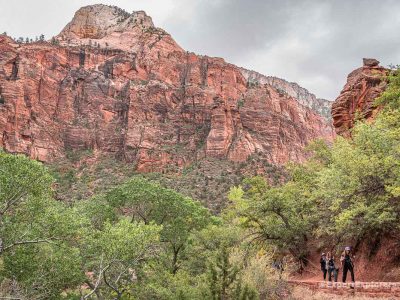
116, 84
99, 21
303, 96
356, 100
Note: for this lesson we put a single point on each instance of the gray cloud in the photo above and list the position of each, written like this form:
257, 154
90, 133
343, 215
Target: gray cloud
315, 43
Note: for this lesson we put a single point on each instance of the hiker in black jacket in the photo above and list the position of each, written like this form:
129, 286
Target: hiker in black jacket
347, 260
331, 267
323, 263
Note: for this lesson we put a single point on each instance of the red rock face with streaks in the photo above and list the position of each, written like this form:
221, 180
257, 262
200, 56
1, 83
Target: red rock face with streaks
357, 98
128, 89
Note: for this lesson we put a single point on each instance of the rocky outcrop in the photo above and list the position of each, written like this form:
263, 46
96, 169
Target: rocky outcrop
109, 27
303, 96
118, 85
356, 101
99, 21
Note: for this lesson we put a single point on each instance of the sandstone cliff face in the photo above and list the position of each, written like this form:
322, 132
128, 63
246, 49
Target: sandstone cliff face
356, 100
116, 84
303, 96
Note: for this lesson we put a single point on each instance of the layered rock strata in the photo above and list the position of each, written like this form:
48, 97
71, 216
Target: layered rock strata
114, 83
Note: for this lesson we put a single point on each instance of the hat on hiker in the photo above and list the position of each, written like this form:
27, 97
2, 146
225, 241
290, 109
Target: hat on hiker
323, 254
347, 248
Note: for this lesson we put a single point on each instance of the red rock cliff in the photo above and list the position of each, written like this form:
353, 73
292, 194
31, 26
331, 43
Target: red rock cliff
357, 98
117, 84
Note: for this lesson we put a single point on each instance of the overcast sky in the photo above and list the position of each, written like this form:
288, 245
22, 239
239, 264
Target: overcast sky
315, 43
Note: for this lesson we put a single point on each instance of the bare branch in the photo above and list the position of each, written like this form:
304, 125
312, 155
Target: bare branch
38, 241
95, 287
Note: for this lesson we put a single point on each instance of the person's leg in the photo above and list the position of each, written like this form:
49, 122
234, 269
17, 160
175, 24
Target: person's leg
344, 273
324, 274
336, 274
329, 274
352, 273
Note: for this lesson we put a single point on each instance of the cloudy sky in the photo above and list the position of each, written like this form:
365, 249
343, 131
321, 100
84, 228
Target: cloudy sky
315, 43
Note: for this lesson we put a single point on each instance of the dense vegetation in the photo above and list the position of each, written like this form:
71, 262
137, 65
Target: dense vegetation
209, 180
346, 193
137, 239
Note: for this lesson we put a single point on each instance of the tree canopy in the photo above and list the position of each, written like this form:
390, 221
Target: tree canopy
347, 191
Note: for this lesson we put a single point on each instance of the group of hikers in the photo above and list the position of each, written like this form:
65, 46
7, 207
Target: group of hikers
329, 267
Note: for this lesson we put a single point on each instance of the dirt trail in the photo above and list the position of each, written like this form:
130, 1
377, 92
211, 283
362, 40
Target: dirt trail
389, 290
311, 280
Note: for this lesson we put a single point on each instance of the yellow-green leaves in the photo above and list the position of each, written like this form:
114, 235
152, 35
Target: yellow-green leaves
345, 190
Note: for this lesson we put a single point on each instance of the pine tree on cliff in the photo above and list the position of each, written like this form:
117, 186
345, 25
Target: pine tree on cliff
54, 41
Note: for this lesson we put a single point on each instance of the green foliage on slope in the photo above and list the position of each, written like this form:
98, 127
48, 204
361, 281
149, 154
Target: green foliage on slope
136, 240
208, 180
348, 191
35, 230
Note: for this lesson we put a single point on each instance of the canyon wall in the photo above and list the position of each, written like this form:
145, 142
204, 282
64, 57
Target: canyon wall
113, 83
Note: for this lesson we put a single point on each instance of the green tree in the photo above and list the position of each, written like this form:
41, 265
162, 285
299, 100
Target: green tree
36, 232
55, 41
222, 275
346, 191
360, 185
284, 216
96, 211
114, 256
44, 271
25, 203
148, 202
216, 259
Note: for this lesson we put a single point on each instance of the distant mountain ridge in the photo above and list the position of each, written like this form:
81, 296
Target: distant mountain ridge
306, 98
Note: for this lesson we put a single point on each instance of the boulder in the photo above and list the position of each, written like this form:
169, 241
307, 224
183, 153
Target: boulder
370, 62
